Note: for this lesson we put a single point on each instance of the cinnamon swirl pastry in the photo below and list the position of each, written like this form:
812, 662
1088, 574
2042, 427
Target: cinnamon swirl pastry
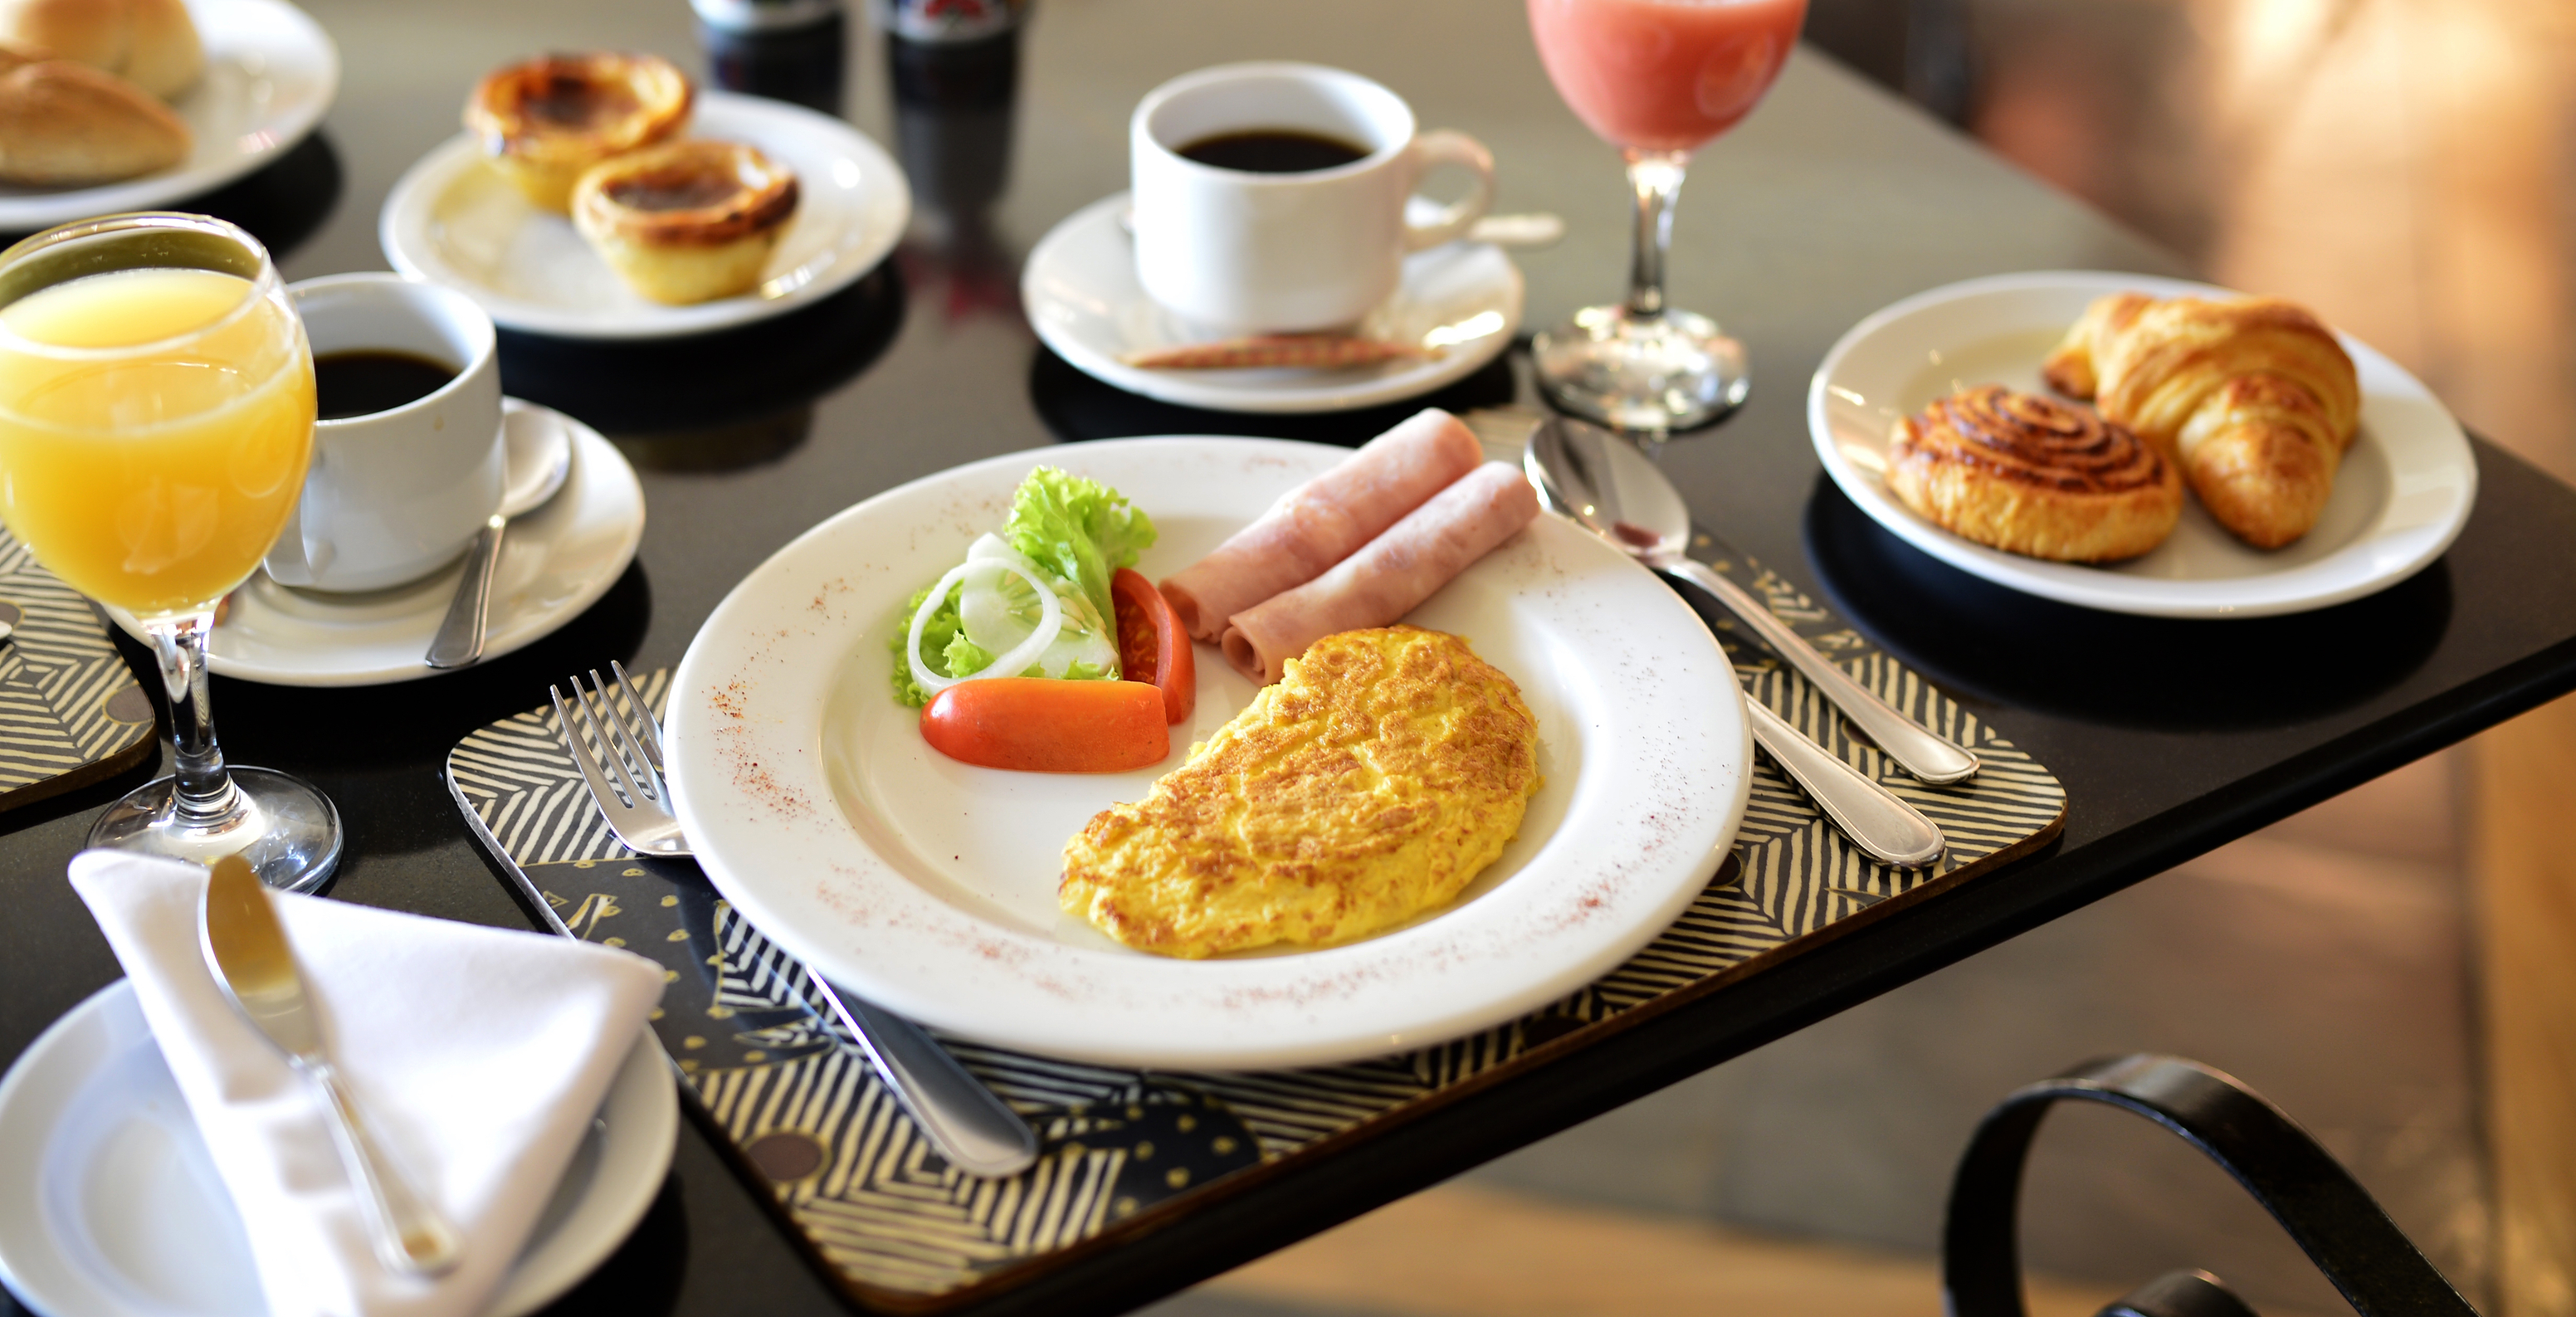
2031, 475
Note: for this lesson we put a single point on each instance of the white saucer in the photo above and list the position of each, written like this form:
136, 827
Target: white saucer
270, 73
555, 562
1082, 296
2402, 495
110, 1207
454, 220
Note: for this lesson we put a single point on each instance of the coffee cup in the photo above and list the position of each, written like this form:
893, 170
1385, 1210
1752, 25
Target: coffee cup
397, 491
1272, 249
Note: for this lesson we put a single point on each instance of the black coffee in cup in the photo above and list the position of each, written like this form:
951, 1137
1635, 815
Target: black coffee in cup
365, 382
1273, 151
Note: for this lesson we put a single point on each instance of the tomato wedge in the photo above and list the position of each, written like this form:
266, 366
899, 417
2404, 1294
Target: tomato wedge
1038, 725
1152, 647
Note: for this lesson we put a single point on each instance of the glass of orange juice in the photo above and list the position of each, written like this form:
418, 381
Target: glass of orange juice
1658, 79
156, 417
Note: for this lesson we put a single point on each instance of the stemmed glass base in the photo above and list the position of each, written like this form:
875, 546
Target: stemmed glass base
288, 831
1668, 371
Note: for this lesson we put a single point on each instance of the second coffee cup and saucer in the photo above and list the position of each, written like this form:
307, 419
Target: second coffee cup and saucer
362, 576
1209, 246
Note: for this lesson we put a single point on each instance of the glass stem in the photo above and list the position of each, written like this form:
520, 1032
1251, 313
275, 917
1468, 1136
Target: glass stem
1656, 177
203, 795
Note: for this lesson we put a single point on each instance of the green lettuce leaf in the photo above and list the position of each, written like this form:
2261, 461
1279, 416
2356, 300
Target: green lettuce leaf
1079, 529
944, 648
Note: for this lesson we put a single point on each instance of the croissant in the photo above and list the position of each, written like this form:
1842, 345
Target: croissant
2253, 398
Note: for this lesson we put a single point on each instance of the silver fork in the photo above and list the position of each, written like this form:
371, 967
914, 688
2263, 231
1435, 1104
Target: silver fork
970, 1126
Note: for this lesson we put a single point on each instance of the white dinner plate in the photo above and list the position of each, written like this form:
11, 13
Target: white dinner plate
110, 1207
1083, 298
555, 562
452, 219
270, 73
2401, 497
928, 886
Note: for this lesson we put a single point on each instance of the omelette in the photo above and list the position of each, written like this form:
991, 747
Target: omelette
1370, 784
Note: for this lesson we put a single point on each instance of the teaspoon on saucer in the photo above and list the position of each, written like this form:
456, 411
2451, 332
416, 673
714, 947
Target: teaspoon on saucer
540, 456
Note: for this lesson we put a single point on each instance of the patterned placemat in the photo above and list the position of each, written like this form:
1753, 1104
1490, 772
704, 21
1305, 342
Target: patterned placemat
899, 1229
70, 711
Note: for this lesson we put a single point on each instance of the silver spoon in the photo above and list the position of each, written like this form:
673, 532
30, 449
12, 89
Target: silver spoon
540, 456
1619, 493
1560, 464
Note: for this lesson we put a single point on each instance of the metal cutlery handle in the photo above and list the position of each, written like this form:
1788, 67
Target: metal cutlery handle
974, 1129
1887, 828
1927, 755
409, 1235
460, 635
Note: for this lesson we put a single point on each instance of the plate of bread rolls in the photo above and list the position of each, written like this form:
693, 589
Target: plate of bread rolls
2141, 445
116, 105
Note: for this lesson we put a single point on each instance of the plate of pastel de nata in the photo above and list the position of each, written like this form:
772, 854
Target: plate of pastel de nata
605, 196
1311, 836
107, 108
2141, 445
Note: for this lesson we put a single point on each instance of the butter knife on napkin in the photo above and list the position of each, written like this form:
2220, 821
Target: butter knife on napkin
255, 966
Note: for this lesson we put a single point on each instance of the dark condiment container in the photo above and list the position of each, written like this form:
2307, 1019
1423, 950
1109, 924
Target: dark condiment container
789, 50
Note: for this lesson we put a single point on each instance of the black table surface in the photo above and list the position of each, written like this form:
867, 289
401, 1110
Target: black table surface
2170, 737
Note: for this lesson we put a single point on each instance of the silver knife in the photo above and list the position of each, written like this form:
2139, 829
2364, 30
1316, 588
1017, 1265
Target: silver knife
247, 949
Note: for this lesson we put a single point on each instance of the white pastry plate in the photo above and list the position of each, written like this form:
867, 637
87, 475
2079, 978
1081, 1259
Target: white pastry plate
453, 219
110, 1207
928, 886
1082, 296
555, 562
2402, 495
270, 73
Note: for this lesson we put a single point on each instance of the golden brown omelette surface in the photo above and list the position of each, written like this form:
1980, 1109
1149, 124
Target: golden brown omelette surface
1369, 785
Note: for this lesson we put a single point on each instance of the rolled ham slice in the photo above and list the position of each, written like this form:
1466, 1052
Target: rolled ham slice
1390, 577
1325, 520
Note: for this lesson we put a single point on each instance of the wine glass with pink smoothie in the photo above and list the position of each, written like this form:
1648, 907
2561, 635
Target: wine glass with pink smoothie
1657, 79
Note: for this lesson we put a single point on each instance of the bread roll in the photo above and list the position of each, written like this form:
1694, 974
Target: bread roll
2253, 397
65, 124
2030, 475
151, 43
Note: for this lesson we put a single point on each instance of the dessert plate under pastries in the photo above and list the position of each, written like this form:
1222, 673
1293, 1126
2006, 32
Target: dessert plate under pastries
453, 219
929, 886
1084, 300
2402, 495
110, 1207
270, 73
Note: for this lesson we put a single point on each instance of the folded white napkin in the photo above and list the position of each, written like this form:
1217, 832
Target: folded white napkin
478, 1056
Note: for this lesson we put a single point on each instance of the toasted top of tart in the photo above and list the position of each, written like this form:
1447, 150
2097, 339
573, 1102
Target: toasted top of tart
570, 108
692, 193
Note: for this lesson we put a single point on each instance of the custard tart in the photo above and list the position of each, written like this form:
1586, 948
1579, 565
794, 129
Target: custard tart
547, 120
686, 221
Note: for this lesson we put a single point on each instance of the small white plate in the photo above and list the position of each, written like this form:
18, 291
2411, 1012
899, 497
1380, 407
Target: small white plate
929, 887
2401, 497
1082, 295
555, 562
110, 1207
452, 219
270, 73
